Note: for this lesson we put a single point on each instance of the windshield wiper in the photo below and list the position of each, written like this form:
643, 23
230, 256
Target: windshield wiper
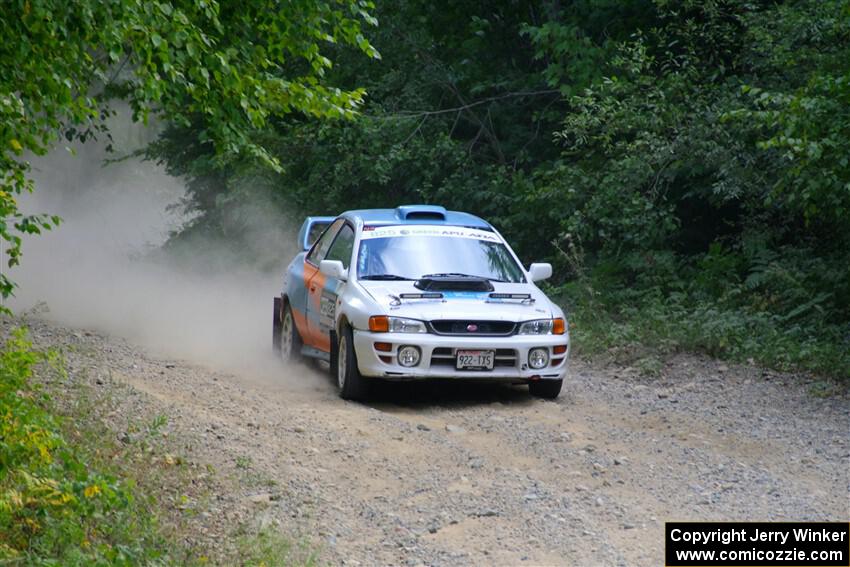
451, 275
385, 277
459, 275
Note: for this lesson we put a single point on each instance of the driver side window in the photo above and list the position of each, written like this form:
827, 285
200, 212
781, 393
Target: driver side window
317, 253
342, 247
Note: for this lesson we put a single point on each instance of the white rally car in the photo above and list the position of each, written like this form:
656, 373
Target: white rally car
418, 292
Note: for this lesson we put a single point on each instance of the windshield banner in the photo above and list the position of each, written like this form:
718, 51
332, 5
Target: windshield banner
428, 230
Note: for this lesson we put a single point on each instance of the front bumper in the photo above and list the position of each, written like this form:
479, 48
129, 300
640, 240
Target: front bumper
438, 356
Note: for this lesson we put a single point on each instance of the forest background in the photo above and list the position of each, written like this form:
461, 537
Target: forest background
683, 164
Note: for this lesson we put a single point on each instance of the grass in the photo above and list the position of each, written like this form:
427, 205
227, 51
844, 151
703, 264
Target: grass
266, 548
60, 503
74, 491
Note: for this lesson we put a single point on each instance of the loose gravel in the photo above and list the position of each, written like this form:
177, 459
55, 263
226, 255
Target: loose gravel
457, 474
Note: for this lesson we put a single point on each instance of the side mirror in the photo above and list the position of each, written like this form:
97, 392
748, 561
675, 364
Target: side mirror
334, 269
539, 272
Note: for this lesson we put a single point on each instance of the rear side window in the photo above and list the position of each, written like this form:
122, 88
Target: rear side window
342, 247
316, 230
317, 253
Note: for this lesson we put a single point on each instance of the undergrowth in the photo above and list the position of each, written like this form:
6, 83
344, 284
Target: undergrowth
266, 548
56, 509
782, 315
73, 494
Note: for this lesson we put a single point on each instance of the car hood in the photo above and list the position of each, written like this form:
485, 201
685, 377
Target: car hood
472, 305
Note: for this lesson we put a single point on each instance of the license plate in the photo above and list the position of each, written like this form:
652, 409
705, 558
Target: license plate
475, 359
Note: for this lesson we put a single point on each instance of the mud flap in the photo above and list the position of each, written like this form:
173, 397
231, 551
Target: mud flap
276, 325
333, 353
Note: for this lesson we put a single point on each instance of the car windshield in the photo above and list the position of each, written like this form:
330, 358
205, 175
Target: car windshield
411, 252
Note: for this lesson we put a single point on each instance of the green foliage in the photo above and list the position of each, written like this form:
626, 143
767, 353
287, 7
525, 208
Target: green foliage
810, 128
805, 121
688, 158
54, 509
229, 69
672, 323
707, 141
266, 547
774, 313
72, 495
458, 113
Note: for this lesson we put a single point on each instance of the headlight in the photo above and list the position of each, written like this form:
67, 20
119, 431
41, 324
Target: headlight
538, 327
384, 324
402, 325
542, 327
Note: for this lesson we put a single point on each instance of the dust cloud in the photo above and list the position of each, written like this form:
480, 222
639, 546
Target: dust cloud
99, 270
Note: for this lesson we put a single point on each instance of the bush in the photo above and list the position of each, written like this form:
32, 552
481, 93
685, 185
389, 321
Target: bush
730, 320
55, 510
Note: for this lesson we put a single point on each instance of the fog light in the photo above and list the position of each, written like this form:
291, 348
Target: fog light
538, 358
408, 356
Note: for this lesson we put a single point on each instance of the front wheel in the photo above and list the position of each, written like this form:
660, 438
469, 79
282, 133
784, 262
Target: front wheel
546, 389
352, 386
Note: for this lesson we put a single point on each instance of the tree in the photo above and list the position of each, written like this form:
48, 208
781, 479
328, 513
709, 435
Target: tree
228, 68
683, 155
460, 112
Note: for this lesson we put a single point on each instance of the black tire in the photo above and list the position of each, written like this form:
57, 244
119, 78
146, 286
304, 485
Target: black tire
290, 343
352, 386
546, 389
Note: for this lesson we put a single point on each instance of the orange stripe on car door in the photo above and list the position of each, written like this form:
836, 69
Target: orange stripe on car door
314, 282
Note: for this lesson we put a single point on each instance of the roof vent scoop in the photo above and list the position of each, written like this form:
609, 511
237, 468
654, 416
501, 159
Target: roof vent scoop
421, 212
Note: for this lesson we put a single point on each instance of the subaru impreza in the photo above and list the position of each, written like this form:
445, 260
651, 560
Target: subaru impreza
414, 293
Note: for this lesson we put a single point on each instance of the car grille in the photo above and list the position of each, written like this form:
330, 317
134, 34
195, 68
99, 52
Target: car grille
462, 327
445, 356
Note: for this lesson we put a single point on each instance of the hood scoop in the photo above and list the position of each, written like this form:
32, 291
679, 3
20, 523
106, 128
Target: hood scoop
453, 283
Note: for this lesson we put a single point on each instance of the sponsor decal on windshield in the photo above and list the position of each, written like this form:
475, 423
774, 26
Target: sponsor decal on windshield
428, 230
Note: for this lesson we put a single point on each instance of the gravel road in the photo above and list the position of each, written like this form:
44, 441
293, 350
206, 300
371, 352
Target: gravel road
451, 474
